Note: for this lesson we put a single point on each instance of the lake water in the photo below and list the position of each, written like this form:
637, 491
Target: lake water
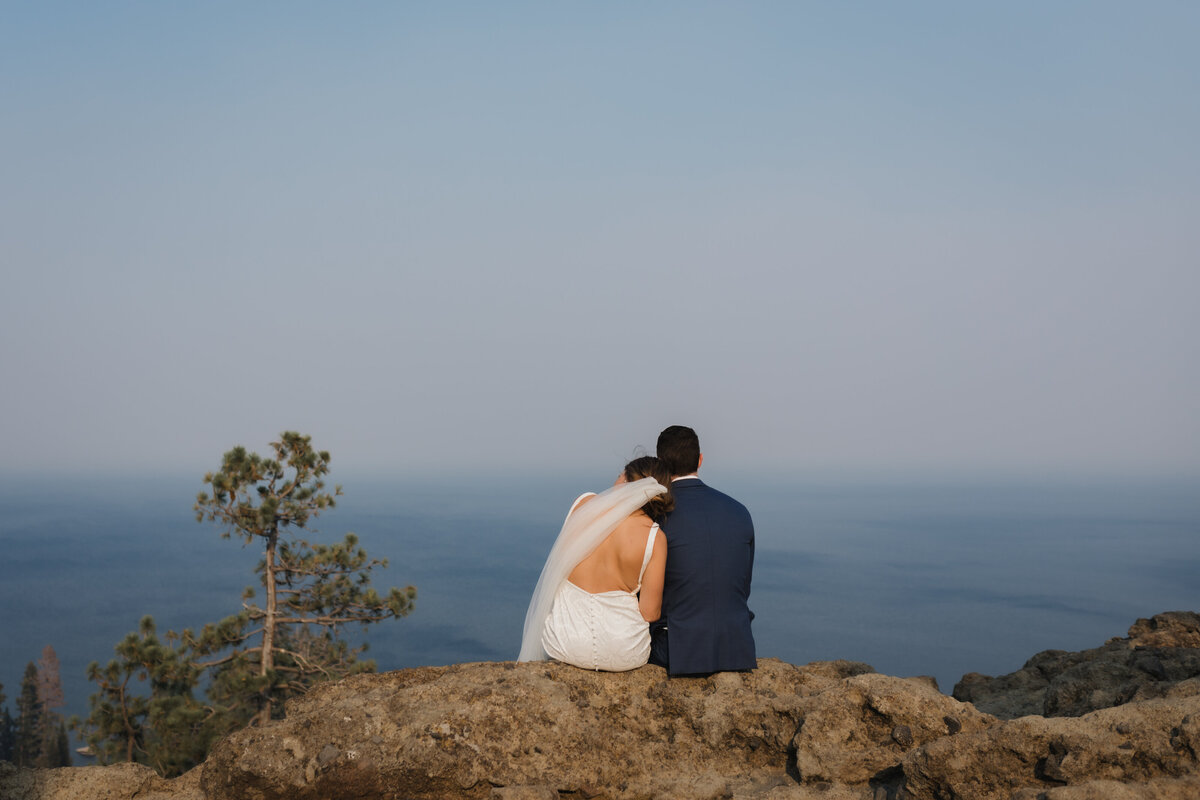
932, 578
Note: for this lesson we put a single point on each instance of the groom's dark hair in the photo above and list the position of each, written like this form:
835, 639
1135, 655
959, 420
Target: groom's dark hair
679, 447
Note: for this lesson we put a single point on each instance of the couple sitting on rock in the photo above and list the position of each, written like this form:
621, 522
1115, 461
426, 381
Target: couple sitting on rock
618, 590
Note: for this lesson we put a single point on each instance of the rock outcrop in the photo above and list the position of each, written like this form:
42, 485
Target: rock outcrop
1152, 741
831, 730
118, 782
857, 732
1158, 655
533, 730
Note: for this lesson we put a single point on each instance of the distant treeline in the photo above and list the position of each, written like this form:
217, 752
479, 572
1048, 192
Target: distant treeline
37, 735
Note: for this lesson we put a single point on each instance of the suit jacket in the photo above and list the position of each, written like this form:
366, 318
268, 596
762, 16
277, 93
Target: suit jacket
710, 557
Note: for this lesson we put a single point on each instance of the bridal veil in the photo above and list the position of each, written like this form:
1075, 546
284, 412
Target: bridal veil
582, 532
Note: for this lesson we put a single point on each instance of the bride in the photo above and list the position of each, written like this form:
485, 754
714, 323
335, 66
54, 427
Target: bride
602, 583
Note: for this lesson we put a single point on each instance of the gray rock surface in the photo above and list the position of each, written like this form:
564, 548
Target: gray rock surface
1158, 654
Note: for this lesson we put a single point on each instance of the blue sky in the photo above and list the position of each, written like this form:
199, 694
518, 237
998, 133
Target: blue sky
451, 237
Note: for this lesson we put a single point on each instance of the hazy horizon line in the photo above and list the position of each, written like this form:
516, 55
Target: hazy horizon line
876, 474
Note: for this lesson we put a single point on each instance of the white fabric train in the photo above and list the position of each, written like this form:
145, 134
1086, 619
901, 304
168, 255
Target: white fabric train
584, 529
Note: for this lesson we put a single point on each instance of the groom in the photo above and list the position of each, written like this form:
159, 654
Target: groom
705, 623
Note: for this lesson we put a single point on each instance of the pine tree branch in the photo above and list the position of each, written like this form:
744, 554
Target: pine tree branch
312, 668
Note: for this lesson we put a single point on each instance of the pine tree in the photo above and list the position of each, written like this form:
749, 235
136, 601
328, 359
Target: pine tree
49, 681
7, 730
28, 745
252, 661
61, 747
270, 652
8, 736
50, 695
168, 729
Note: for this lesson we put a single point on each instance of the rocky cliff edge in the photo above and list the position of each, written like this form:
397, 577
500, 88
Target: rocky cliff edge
1127, 726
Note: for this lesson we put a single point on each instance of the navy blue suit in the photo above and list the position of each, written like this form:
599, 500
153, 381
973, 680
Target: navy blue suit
705, 623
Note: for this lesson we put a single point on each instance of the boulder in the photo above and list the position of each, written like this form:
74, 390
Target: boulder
118, 782
859, 731
1159, 653
1136, 743
470, 730
1169, 629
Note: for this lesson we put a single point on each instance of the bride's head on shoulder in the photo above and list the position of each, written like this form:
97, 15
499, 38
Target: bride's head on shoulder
651, 467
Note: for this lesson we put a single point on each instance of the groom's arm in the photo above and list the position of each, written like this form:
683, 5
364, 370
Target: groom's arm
750, 565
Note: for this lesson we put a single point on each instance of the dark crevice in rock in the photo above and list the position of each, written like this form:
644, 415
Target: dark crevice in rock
887, 784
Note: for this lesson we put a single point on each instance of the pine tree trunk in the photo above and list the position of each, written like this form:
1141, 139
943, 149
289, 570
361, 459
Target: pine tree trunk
268, 650
130, 734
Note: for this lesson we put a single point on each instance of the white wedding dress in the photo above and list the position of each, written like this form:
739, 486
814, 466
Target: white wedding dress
604, 630
601, 630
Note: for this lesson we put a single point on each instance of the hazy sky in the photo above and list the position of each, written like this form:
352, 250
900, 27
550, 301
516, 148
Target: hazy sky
527, 236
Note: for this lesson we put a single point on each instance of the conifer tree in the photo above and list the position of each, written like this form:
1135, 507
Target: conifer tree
7, 730
28, 744
249, 662
168, 729
8, 736
60, 748
272, 651
50, 695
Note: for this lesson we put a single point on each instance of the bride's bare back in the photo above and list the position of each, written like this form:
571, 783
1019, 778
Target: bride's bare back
614, 565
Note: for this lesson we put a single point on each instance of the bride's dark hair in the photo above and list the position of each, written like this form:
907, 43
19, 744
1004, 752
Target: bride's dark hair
651, 467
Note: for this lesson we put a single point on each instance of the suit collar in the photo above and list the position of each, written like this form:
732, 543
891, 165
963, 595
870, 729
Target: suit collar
683, 483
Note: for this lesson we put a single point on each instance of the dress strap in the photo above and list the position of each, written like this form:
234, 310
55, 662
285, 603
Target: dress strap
647, 554
579, 500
